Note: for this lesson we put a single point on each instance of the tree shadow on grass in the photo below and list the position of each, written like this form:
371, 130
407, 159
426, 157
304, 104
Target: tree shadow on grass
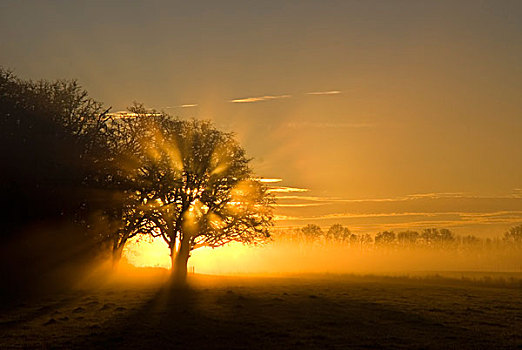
221, 318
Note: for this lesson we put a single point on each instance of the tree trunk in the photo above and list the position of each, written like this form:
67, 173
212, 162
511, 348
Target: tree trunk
172, 258
117, 250
179, 262
116, 256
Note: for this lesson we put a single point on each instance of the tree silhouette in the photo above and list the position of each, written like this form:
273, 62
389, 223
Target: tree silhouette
408, 237
354, 239
50, 134
365, 239
193, 186
311, 233
470, 241
51, 143
514, 235
434, 236
125, 139
385, 238
339, 233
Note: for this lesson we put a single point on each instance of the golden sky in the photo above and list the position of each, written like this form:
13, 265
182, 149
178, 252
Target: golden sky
387, 114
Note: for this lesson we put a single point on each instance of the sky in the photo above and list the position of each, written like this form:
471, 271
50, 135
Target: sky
374, 114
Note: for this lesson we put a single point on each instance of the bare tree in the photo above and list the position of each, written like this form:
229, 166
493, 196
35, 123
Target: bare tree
434, 236
365, 240
194, 186
385, 238
338, 233
408, 237
311, 233
514, 235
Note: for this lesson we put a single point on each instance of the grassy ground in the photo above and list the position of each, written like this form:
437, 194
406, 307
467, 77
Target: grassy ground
317, 312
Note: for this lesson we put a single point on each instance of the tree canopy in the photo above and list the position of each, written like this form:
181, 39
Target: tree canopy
191, 184
51, 142
514, 235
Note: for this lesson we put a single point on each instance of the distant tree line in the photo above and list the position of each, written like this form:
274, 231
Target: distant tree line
429, 237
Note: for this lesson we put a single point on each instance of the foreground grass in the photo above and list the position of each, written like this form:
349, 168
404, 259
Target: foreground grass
317, 312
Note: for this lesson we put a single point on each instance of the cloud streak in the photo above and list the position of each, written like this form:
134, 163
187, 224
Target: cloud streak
284, 189
269, 180
277, 97
127, 114
331, 92
301, 205
409, 197
188, 105
463, 221
259, 98
510, 216
465, 212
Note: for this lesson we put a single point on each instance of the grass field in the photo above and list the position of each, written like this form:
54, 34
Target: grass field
307, 311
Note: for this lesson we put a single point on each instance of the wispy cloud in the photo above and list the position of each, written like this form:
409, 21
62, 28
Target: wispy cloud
331, 92
406, 198
408, 219
437, 195
485, 215
478, 217
299, 205
308, 198
259, 98
284, 189
269, 180
127, 114
409, 197
188, 105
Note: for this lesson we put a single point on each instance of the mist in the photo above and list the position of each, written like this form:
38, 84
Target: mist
288, 258
283, 257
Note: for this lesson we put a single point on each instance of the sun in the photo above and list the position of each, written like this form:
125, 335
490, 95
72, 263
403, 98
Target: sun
147, 252
232, 258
